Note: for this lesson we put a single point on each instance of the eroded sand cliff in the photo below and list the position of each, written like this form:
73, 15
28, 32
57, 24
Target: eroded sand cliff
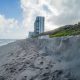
41, 59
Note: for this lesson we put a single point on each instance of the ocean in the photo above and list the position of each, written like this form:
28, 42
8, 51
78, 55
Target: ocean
6, 41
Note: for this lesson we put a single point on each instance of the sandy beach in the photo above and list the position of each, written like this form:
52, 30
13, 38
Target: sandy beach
41, 59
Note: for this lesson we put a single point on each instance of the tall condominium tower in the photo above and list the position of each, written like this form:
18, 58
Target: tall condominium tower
39, 25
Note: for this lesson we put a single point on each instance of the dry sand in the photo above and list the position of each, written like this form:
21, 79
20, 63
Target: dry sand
41, 59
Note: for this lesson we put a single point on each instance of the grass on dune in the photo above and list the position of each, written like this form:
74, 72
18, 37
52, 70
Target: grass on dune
67, 32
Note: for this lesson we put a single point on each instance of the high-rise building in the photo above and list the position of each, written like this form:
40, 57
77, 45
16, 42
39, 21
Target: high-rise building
39, 25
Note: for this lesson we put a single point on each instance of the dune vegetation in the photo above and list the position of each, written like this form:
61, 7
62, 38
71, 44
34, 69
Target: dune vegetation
67, 30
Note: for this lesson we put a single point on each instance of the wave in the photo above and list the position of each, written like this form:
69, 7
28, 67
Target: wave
5, 41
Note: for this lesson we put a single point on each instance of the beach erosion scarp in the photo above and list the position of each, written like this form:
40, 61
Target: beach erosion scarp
41, 59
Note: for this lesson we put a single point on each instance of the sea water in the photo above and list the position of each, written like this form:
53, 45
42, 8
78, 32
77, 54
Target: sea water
6, 41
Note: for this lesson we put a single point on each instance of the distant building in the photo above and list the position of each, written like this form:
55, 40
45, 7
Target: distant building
39, 25
31, 34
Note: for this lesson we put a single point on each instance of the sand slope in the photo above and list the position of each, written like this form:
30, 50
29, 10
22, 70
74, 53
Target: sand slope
41, 59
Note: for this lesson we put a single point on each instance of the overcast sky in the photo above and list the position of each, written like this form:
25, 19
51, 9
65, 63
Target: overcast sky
17, 16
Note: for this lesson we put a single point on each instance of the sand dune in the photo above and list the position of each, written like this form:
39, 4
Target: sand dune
41, 59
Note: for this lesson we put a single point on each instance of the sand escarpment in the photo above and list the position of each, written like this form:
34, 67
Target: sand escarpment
41, 59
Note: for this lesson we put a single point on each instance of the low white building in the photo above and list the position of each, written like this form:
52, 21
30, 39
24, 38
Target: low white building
44, 37
31, 34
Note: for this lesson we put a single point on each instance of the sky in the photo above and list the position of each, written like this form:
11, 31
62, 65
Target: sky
17, 16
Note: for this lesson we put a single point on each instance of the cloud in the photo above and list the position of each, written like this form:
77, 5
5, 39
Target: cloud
10, 28
33, 8
56, 12
69, 12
